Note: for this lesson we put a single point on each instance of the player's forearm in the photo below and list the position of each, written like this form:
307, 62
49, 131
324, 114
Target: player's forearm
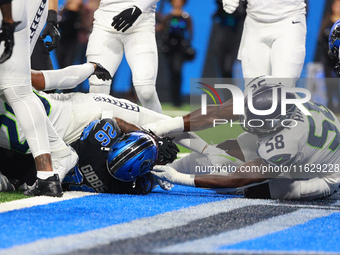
195, 121
6, 11
53, 5
66, 78
249, 173
143, 5
126, 126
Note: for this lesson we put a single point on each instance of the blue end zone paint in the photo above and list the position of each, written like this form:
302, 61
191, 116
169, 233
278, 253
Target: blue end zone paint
93, 212
317, 235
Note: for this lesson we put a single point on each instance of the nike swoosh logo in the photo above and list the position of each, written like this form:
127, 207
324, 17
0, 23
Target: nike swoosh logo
230, 158
278, 159
296, 22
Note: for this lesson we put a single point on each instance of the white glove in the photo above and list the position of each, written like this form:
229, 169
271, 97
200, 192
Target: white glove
169, 174
163, 184
230, 5
220, 158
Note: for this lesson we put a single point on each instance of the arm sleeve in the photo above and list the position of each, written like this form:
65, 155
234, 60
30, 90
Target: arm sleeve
68, 77
143, 5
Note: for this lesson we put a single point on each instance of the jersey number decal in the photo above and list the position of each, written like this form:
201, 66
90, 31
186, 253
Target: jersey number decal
105, 137
277, 144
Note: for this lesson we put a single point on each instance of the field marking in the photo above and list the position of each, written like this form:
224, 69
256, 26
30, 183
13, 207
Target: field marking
40, 200
93, 238
272, 225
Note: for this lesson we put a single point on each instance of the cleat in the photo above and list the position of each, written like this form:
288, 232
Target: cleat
5, 184
63, 161
49, 187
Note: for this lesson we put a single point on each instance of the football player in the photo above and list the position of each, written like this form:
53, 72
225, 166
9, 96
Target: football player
273, 39
298, 155
119, 27
45, 144
334, 44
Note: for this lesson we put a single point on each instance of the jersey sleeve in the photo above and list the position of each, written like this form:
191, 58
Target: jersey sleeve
279, 149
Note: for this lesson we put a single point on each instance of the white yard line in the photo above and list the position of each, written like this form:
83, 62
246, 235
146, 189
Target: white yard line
41, 200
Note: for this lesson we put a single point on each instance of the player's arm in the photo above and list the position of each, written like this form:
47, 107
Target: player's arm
124, 20
193, 121
68, 77
239, 178
126, 126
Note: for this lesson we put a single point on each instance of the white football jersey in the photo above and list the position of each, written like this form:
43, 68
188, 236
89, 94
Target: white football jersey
308, 150
120, 5
70, 114
275, 10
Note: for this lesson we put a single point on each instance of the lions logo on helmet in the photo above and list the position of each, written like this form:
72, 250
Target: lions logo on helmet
263, 99
132, 155
334, 44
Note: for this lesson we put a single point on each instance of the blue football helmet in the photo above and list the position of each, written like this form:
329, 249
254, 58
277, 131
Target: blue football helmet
132, 155
334, 44
262, 125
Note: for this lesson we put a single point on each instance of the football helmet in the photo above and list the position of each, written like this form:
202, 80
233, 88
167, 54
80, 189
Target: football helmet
132, 155
262, 99
334, 43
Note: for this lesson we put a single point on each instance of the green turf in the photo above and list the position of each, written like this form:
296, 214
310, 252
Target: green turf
10, 196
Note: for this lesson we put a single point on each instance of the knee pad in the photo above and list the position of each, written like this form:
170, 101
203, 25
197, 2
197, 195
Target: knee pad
146, 92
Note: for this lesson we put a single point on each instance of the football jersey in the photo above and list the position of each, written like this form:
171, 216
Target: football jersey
68, 113
309, 149
91, 173
275, 10
120, 5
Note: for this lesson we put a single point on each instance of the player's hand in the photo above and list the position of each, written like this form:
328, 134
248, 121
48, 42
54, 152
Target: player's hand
51, 29
7, 35
124, 20
101, 72
230, 6
220, 158
167, 150
144, 184
163, 184
169, 174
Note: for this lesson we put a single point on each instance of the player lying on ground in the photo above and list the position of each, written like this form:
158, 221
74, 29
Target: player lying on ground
71, 113
298, 155
114, 157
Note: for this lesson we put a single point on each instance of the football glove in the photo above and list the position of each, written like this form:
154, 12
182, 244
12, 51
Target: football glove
124, 20
167, 150
169, 174
230, 6
7, 35
143, 184
51, 29
101, 72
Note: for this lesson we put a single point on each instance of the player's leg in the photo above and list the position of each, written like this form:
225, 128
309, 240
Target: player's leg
289, 48
141, 55
254, 53
16, 86
106, 48
292, 189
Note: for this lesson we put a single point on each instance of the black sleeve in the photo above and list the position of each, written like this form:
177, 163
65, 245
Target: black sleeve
5, 1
